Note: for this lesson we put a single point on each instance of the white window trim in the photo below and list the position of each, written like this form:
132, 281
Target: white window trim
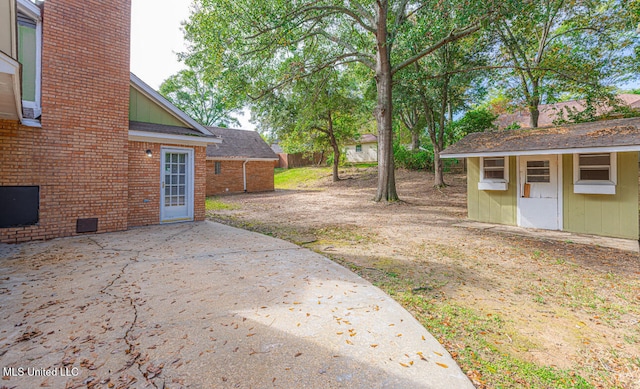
595, 186
494, 183
32, 11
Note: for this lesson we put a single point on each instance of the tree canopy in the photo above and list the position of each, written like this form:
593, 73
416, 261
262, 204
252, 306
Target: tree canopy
429, 59
263, 45
201, 98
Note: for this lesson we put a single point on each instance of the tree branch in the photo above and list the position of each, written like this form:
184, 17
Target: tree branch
453, 36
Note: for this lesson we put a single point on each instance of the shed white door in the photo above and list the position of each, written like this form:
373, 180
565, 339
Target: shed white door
538, 192
176, 177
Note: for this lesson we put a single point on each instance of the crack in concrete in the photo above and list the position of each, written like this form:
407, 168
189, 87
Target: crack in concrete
131, 348
187, 229
92, 240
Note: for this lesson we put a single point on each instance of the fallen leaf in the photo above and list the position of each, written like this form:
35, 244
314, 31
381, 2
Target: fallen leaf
442, 365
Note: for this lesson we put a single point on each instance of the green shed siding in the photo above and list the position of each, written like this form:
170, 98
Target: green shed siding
143, 109
491, 206
607, 215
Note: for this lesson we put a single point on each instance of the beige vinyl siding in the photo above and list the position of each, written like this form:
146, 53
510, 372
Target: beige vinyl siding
7, 25
143, 109
491, 206
608, 215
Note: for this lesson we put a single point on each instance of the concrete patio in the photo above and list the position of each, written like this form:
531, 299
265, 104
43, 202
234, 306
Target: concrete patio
202, 305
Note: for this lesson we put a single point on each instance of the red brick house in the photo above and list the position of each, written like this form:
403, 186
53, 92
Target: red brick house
244, 162
85, 146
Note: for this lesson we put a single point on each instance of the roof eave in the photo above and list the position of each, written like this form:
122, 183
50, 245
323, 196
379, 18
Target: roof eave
154, 137
585, 150
240, 159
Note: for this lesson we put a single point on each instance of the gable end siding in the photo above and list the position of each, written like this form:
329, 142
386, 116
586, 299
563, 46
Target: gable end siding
143, 109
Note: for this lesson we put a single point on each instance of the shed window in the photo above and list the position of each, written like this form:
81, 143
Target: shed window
218, 168
493, 168
494, 173
358, 148
595, 173
594, 167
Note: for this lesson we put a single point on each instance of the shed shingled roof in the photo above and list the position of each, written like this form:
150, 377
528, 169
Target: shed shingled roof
239, 144
594, 135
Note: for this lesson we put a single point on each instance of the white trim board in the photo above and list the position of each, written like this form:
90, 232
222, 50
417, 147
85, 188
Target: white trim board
154, 137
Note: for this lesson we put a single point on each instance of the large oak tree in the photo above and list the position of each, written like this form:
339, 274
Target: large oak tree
260, 45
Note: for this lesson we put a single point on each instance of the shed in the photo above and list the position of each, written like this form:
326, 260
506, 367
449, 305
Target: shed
580, 178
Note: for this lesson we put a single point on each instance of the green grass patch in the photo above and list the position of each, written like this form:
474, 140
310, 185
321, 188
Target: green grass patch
215, 204
362, 165
299, 177
475, 340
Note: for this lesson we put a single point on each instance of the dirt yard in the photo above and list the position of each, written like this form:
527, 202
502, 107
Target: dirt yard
514, 311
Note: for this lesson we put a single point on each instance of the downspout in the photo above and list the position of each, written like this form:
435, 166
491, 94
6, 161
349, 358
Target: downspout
244, 174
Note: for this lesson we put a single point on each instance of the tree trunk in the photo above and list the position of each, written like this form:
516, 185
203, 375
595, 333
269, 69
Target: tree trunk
438, 143
438, 168
336, 149
415, 139
534, 102
386, 169
535, 115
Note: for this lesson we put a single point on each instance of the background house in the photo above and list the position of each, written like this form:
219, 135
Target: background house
362, 150
244, 162
579, 178
552, 112
85, 146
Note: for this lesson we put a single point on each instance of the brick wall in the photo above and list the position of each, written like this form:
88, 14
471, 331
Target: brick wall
79, 156
259, 176
230, 180
144, 183
199, 211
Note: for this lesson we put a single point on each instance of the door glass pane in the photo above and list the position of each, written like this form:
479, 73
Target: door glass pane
538, 171
175, 180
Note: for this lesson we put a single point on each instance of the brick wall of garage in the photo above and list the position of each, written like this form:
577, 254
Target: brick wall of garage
230, 179
79, 156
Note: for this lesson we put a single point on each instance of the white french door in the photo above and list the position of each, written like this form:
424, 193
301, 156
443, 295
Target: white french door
176, 203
